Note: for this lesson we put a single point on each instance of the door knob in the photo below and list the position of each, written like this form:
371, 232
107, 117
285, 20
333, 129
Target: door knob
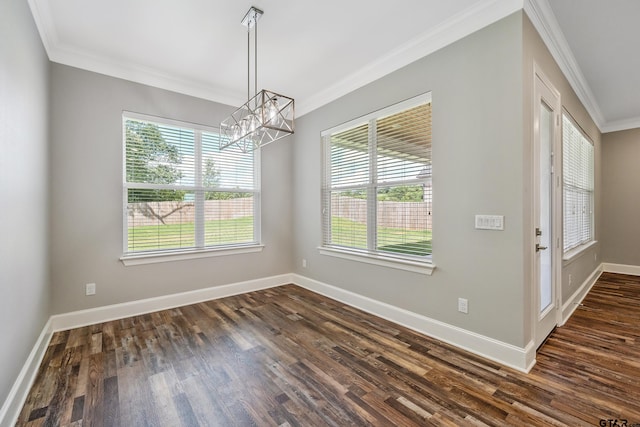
540, 248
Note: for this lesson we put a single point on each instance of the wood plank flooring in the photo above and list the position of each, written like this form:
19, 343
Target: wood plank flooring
289, 357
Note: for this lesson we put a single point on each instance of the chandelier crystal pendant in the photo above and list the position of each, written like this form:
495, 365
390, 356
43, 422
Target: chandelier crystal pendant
265, 117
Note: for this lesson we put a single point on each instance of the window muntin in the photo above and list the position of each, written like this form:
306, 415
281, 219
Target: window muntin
377, 185
181, 192
578, 185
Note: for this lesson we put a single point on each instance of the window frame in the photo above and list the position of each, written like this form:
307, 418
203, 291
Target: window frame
200, 250
569, 253
413, 263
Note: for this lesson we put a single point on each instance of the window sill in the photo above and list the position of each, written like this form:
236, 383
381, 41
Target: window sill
381, 260
166, 256
575, 253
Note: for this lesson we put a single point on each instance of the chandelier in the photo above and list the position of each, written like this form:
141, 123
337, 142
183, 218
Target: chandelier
265, 117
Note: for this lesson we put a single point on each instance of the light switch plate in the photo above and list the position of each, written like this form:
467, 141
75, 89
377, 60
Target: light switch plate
490, 222
90, 289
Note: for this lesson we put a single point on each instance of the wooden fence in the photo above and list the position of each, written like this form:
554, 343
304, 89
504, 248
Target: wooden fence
156, 213
406, 215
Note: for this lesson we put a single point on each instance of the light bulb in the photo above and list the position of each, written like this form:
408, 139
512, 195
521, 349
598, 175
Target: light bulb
253, 123
273, 109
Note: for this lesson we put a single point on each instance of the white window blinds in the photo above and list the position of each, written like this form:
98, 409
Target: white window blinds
377, 183
578, 185
181, 191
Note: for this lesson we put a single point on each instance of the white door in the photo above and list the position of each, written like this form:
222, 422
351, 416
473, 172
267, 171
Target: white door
546, 206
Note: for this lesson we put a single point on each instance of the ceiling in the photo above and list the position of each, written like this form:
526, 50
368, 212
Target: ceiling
603, 38
316, 52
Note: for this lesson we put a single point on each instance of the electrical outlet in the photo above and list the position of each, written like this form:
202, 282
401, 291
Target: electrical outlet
90, 289
304, 263
570, 280
463, 305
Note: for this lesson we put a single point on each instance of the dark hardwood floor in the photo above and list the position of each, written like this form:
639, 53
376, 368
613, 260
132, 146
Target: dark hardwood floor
288, 357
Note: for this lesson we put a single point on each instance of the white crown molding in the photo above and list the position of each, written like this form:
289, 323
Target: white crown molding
480, 15
461, 25
545, 22
632, 123
143, 75
42, 16
87, 61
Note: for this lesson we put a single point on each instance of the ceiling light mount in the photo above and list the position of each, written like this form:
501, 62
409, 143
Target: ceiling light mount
252, 17
265, 117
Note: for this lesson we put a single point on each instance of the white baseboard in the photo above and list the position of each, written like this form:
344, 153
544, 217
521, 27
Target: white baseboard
633, 270
17, 396
521, 359
576, 299
76, 319
12, 406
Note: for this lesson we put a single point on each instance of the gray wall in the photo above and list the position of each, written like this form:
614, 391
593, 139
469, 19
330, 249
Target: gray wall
476, 84
24, 241
583, 265
86, 196
621, 197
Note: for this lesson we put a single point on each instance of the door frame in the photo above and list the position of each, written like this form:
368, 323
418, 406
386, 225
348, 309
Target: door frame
539, 77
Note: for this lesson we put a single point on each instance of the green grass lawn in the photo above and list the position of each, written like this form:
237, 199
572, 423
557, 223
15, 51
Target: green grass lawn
240, 230
154, 237
397, 240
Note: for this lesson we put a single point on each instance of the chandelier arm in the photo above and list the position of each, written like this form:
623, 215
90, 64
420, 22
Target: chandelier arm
248, 63
255, 58
265, 117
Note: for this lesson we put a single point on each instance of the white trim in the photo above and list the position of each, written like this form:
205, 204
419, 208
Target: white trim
138, 74
197, 188
383, 261
545, 91
180, 255
76, 319
44, 22
415, 101
12, 406
622, 124
575, 253
474, 18
521, 359
478, 16
633, 270
132, 115
545, 22
576, 299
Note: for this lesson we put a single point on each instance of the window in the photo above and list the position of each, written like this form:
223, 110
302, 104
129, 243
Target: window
181, 192
577, 175
377, 183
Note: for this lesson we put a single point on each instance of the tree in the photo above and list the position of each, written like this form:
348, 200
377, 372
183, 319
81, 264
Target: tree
402, 193
211, 179
151, 159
